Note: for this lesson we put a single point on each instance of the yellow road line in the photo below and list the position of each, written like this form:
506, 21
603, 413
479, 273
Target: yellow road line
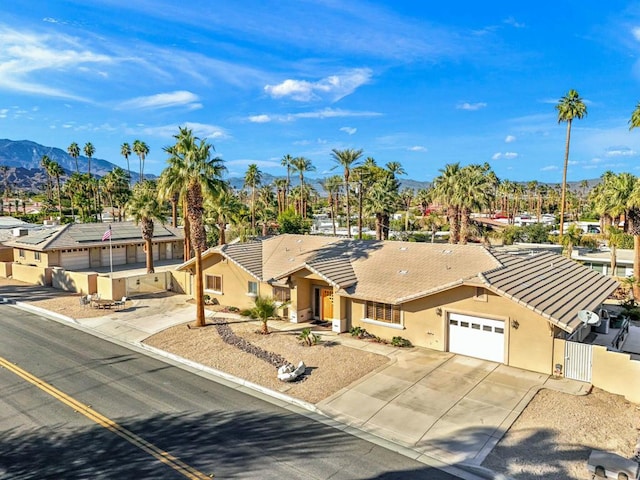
105, 422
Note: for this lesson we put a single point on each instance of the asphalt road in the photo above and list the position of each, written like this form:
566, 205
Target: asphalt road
73, 406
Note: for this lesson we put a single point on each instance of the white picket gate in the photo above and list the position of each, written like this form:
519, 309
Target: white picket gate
578, 361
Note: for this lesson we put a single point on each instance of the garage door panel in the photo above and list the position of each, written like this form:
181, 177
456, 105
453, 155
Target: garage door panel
476, 337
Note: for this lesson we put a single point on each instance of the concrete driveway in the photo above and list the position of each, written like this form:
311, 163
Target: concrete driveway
443, 405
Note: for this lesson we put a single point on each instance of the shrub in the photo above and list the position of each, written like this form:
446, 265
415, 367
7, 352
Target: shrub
245, 313
308, 338
233, 309
358, 332
400, 342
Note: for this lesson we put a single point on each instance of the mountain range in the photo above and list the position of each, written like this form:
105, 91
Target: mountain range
25, 173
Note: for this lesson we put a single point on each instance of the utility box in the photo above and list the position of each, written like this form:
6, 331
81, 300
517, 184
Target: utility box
339, 325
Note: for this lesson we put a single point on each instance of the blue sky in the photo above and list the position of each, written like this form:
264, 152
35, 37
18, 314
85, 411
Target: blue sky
421, 83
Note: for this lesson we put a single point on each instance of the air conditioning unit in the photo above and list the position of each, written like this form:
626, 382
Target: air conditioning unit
19, 232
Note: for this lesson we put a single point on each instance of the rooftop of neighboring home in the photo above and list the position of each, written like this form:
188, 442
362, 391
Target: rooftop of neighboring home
83, 235
398, 272
9, 224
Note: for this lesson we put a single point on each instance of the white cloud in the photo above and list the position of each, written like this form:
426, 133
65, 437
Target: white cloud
349, 130
333, 87
25, 55
320, 114
178, 98
635, 31
549, 168
513, 22
201, 130
507, 155
260, 118
471, 106
509, 139
620, 152
417, 148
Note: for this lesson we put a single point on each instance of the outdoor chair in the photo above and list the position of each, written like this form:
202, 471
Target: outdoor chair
85, 300
120, 304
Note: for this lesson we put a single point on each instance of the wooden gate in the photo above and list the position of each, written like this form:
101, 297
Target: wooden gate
578, 361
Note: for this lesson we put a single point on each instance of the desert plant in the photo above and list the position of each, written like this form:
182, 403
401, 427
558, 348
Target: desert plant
265, 309
358, 332
400, 342
308, 338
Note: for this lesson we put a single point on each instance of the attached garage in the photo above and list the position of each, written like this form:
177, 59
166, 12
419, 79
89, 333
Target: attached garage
75, 259
476, 337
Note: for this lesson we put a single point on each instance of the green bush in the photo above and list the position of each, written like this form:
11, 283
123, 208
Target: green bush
308, 338
400, 342
358, 332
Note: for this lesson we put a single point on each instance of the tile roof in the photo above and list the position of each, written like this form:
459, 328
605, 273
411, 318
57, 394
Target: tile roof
550, 284
398, 272
76, 235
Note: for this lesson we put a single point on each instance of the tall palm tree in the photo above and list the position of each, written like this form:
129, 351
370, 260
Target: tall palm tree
407, 195
252, 179
144, 207
193, 171
569, 107
141, 150
281, 190
302, 165
116, 190
45, 163
57, 171
125, 151
346, 159
475, 192
74, 152
89, 150
331, 185
382, 200
287, 162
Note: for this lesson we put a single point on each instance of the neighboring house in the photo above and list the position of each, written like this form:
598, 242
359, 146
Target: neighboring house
503, 307
600, 261
79, 246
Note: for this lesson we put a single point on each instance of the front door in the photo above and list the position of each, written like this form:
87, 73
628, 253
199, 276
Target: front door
326, 304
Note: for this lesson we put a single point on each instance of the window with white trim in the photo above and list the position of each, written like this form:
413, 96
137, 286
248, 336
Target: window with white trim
213, 283
252, 288
383, 312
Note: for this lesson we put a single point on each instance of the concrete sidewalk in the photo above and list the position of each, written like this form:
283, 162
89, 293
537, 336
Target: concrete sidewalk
433, 406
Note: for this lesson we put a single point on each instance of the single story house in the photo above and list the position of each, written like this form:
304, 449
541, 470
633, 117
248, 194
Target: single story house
80, 246
500, 306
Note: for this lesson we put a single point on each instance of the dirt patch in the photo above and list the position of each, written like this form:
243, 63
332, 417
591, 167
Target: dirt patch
555, 434
330, 366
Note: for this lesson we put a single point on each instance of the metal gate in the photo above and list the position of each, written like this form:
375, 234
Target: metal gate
577, 361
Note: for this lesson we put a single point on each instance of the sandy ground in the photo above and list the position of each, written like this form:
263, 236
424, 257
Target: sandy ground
551, 439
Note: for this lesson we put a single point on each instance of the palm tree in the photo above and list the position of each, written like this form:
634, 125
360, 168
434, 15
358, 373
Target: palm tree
407, 195
57, 171
74, 152
571, 238
346, 159
433, 222
45, 163
125, 151
116, 189
446, 192
302, 165
287, 161
89, 150
474, 193
382, 200
395, 168
331, 185
223, 209
144, 206
141, 150
569, 107
281, 190
252, 179
265, 309
195, 174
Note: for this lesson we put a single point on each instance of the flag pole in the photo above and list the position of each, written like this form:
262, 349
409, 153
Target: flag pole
110, 256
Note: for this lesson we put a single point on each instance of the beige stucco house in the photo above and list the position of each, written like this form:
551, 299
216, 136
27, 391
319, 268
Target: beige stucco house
79, 246
503, 307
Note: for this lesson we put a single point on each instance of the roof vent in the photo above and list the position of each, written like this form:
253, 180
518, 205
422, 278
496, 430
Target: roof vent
447, 252
19, 232
403, 272
403, 249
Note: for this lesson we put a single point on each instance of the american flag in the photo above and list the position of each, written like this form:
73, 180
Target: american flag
107, 234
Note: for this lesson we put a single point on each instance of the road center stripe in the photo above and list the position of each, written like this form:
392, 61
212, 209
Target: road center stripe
105, 422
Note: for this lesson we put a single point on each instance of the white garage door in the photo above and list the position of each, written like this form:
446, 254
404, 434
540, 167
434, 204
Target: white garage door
476, 337
74, 259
